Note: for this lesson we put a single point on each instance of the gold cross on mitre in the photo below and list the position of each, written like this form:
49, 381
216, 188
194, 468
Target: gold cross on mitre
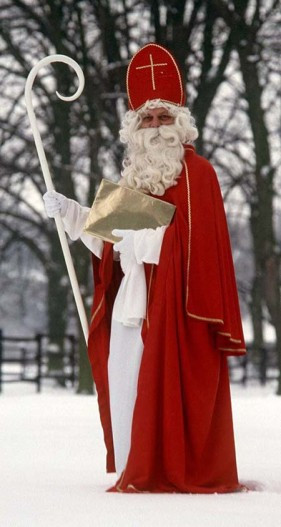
152, 66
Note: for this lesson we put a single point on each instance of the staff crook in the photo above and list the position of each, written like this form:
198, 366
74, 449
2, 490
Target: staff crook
46, 173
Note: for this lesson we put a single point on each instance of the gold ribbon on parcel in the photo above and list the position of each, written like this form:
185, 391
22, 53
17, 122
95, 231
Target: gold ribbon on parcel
117, 207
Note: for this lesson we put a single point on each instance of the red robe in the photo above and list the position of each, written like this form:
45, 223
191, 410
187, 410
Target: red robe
182, 433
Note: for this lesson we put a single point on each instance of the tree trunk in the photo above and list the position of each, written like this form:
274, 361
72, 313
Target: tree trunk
57, 306
267, 261
85, 380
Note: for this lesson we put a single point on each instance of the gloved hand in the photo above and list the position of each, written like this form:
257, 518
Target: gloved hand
55, 203
125, 247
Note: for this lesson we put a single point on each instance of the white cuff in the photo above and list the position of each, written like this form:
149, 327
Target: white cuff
148, 243
74, 221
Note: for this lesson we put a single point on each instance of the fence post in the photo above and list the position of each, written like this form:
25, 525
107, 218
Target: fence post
38, 338
72, 357
23, 358
1, 358
263, 365
245, 369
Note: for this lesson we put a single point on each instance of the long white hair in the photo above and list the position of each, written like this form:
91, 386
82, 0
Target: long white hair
153, 159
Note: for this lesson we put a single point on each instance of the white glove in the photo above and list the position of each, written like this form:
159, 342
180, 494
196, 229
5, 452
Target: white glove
55, 203
125, 247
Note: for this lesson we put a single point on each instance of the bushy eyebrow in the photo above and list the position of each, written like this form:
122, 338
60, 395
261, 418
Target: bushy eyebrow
163, 113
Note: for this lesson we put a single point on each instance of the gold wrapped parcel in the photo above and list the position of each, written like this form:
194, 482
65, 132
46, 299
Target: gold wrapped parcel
117, 207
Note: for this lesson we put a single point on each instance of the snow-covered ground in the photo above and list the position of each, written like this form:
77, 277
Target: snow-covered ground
52, 467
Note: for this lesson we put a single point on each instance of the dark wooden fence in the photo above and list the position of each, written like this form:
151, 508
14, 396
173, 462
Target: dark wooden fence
26, 359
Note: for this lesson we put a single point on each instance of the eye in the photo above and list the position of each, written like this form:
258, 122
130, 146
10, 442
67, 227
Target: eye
146, 118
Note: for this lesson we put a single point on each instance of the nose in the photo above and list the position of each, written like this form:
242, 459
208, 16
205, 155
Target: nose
155, 122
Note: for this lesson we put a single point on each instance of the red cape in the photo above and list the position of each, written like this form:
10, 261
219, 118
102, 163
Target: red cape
182, 434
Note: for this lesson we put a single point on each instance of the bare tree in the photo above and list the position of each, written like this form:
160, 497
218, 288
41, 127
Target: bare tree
223, 49
253, 29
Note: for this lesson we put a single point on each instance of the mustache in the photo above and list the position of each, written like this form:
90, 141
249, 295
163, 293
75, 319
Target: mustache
165, 135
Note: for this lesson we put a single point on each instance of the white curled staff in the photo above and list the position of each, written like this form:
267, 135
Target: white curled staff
46, 173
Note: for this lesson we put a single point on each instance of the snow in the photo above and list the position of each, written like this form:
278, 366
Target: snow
52, 463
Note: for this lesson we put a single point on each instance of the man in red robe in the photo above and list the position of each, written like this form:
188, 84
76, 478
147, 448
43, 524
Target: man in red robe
158, 347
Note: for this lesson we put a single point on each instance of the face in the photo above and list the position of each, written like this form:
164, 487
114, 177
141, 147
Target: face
156, 117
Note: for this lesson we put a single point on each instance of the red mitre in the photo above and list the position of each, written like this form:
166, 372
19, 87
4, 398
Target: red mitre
153, 74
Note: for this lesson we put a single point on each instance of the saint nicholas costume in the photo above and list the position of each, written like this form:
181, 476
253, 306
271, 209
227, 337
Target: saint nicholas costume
180, 435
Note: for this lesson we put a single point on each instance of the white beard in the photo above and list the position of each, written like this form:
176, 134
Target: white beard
154, 159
